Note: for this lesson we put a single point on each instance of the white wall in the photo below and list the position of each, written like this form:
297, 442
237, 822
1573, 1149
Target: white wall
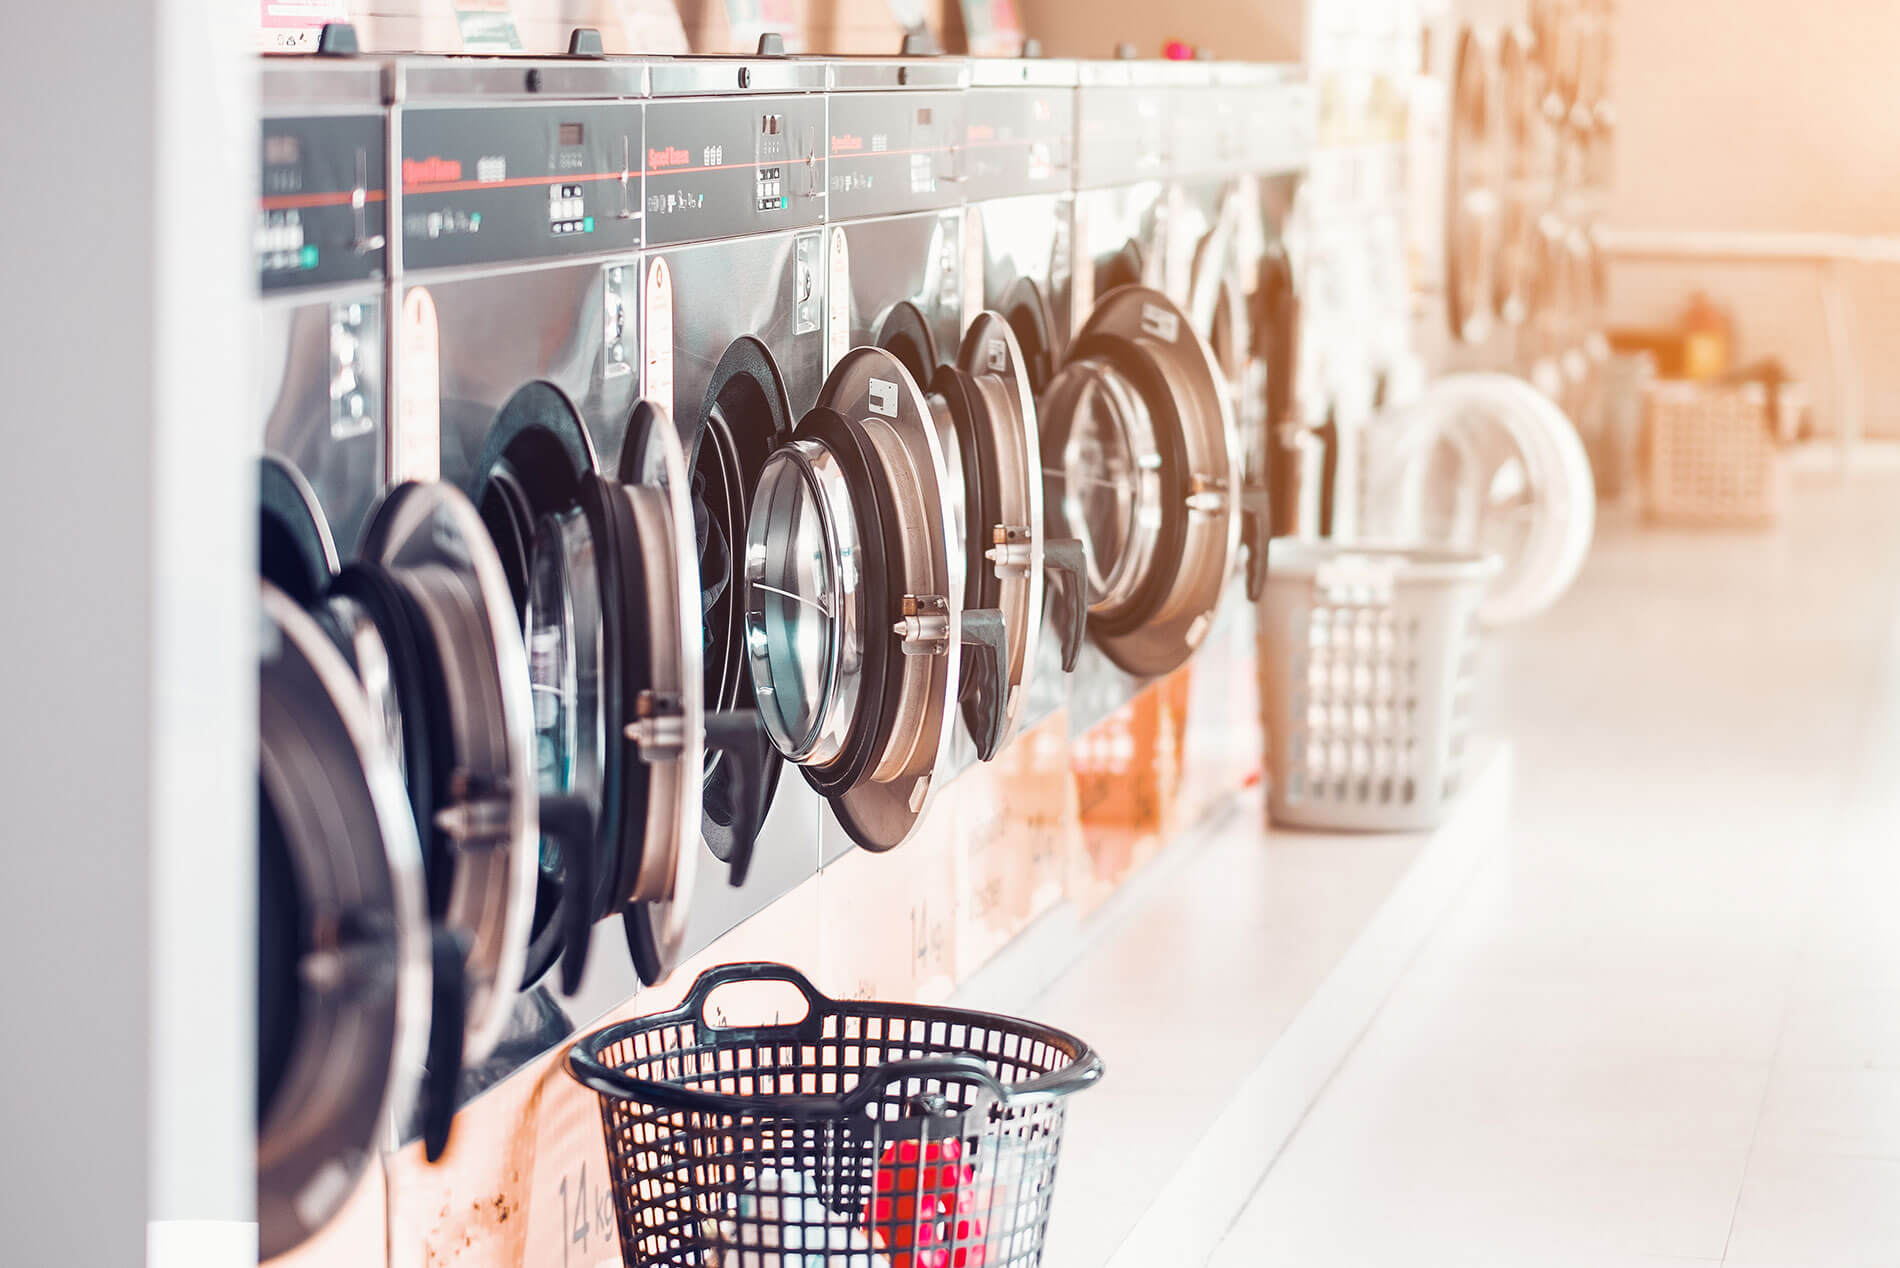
1763, 115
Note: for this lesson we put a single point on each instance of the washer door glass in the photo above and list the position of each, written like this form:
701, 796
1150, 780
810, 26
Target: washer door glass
1105, 498
566, 665
795, 596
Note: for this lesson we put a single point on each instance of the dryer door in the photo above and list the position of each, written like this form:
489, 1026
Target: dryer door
343, 979
854, 629
1141, 461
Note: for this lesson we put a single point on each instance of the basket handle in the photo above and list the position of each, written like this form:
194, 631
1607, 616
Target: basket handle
694, 1004
955, 1069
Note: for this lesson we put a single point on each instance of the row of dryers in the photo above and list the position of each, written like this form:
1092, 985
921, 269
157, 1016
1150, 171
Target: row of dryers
635, 427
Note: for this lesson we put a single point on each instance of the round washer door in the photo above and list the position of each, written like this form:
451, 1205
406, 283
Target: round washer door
1141, 461
1487, 462
853, 629
343, 934
535, 459
610, 611
985, 419
296, 551
668, 721
431, 570
746, 416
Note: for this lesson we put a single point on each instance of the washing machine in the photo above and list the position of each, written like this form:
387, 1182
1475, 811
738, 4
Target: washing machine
1241, 141
900, 272
1019, 174
344, 1005
733, 318
1140, 448
322, 258
390, 902
1277, 136
527, 375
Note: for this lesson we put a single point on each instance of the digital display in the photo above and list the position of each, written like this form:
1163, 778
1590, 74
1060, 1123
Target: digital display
570, 134
281, 149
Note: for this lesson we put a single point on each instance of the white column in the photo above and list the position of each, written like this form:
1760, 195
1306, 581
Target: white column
126, 654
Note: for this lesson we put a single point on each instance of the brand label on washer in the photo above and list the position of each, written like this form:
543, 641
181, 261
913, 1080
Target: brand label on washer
1158, 323
416, 448
996, 356
884, 398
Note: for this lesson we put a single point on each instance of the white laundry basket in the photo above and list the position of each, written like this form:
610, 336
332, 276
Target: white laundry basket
1366, 661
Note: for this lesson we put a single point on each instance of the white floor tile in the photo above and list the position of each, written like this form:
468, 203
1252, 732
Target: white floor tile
1810, 1209
1826, 1110
1660, 1027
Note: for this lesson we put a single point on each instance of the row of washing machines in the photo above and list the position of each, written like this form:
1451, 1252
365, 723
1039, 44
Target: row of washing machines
633, 429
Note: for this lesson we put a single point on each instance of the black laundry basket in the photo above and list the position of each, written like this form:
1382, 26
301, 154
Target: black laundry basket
865, 1135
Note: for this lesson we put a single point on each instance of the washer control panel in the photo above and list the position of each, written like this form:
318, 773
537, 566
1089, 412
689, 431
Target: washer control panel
489, 185
1121, 135
893, 152
322, 205
720, 167
1018, 141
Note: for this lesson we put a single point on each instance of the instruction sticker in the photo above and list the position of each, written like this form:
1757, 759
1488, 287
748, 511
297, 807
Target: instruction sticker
884, 397
657, 381
416, 449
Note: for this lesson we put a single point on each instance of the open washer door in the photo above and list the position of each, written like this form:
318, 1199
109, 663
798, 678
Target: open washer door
983, 409
1487, 462
604, 571
1236, 295
854, 629
1141, 461
343, 978
425, 625
434, 587
745, 419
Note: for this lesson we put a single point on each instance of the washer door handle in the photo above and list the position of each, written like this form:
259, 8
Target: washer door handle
1256, 526
739, 735
1065, 560
447, 1025
570, 823
985, 694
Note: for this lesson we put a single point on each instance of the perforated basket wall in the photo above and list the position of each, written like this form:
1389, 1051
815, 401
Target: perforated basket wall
1367, 658
1712, 457
857, 1169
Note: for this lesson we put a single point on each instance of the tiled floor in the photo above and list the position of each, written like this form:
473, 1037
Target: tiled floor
1661, 1024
